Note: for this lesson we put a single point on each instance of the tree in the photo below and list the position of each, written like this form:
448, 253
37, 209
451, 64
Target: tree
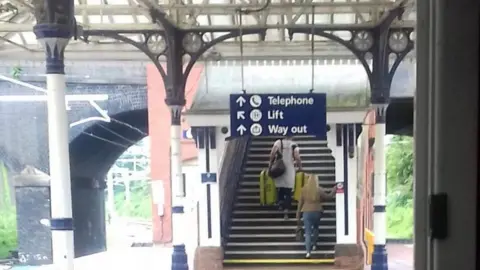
400, 187
400, 171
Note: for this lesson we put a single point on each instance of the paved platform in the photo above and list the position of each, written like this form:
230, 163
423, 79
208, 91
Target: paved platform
158, 258
400, 257
141, 258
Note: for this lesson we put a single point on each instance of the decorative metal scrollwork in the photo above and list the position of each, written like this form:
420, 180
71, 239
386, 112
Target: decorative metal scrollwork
398, 41
363, 40
156, 43
192, 42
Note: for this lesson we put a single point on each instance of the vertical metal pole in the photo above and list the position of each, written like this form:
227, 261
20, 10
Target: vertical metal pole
54, 38
128, 195
379, 256
111, 195
179, 255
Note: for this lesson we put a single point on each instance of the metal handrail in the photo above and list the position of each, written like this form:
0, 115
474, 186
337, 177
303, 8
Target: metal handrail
230, 175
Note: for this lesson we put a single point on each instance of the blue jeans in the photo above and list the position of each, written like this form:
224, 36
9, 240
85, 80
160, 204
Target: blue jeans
284, 198
311, 221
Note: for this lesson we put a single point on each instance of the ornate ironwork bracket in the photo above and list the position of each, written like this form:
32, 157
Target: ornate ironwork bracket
173, 44
378, 44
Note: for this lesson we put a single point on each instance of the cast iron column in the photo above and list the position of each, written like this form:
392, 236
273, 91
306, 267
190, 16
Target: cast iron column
375, 45
388, 42
175, 100
55, 26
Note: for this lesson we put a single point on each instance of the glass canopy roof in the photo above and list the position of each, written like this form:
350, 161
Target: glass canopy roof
18, 42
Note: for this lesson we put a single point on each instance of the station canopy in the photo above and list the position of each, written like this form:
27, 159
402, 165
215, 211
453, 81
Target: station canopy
17, 41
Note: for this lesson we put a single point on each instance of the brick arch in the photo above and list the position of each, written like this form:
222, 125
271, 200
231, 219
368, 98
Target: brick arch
92, 157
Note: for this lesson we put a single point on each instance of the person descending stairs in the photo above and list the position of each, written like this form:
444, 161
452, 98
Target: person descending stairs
259, 232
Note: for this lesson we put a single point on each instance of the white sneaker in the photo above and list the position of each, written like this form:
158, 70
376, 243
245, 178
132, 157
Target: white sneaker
314, 247
307, 256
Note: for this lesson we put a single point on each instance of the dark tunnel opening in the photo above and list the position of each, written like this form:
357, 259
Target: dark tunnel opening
400, 117
92, 154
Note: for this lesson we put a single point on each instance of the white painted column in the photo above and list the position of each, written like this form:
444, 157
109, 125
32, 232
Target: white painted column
337, 152
214, 188
221, 143
111, 195
55, 38
351, 238
380, 186
179, 255
128, 193
202, 194
209, 199
380, 256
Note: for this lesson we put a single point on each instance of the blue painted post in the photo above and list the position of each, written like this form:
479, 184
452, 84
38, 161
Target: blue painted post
179, 255
380, 256
54, 36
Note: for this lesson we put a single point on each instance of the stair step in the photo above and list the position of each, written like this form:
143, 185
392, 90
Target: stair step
249, 197
277, 214
300, 143
303, 150
268, 220
256, 191
267, 212
254, 199
281, 252
303, 156
263, 222
329, 170
280, 244
276, 229
255, 184
324, 178
259, 234
276, 238
313, 162
255, 206
279, 257
275, 247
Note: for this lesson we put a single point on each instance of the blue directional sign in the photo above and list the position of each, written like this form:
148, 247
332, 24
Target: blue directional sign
278, 115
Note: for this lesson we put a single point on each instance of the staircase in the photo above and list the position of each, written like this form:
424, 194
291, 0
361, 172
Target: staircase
259, 234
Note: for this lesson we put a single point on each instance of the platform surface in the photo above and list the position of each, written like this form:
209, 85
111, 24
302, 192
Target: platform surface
159, 258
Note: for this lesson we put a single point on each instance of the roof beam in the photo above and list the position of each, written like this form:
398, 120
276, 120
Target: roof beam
226, 9
227, 50
129, 27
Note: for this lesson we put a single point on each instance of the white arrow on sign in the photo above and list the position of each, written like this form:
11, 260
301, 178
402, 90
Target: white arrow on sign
241, 129
240, 115
240, 101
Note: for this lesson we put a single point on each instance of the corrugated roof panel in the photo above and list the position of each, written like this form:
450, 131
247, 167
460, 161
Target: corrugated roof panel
345, 85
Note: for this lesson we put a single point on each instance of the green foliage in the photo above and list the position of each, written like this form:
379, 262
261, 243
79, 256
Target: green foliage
400, 171
140, 205
400, 187
400, 222
16, 72
8, 231
8, 219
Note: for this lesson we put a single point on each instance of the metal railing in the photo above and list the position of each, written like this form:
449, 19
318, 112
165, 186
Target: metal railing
230, 175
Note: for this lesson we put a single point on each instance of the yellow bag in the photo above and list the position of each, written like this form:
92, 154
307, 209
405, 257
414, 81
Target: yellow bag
299, 183
268, 191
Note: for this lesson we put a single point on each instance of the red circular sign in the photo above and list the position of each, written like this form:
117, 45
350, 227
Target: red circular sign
339, 187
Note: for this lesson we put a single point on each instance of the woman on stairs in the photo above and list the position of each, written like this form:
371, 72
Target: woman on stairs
290, 154
310, 206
